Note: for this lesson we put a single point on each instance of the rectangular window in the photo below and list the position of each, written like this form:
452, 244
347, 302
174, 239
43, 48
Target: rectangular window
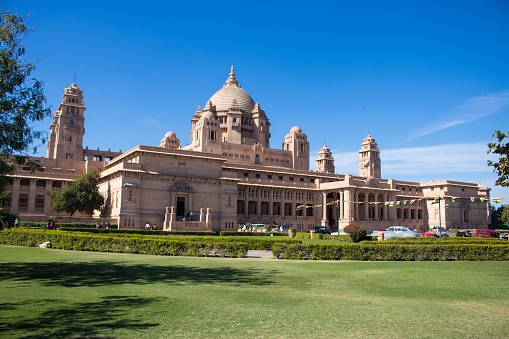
39, 203
23, 202
6, 203
466, 216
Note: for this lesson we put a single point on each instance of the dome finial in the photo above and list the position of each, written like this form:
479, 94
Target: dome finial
231, 79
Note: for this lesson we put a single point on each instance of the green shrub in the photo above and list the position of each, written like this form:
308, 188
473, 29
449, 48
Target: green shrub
303, 235
357, 233
392, 252
179, 246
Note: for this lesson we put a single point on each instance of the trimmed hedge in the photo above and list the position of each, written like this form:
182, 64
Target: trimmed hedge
254, 243
392, 252
138, 231
184, 246
446, 240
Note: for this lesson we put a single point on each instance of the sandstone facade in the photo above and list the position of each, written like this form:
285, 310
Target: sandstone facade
229, 175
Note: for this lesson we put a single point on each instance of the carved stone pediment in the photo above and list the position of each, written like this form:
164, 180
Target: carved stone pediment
181, 186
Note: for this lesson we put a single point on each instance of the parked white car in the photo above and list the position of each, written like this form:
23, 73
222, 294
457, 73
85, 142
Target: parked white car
400, 232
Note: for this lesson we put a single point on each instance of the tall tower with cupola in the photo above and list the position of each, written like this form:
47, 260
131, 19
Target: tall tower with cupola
325, 161
297, 143
68, 126
369, 159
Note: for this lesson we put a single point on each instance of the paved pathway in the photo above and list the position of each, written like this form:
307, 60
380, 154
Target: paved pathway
259, 254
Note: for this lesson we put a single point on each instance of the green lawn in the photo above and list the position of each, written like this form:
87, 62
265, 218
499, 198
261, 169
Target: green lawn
66, 294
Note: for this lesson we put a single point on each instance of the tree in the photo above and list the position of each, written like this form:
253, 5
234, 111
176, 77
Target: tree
357, 233
496, 213
502, 166
504, 217
80, 195
22, 100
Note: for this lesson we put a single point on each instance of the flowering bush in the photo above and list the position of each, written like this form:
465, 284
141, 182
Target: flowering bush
428, 234
485, 233
357, 233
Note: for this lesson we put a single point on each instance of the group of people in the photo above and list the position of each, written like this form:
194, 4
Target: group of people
51, 224
149, 226
251, 228
104, 226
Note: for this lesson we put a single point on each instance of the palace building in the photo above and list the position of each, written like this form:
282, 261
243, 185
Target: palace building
229, 175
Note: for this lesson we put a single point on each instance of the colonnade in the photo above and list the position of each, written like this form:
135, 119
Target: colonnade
276, 203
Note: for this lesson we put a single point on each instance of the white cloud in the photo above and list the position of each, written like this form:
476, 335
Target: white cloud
448, 161
472, 109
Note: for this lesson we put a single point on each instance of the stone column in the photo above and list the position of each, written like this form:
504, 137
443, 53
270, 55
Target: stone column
377, 206
31, 196
341, 215
294, 202
47, 200
202, 215
304, 206
259, 202
350, 206
366, 207
15, 196
208, 221
246, 202
271, 202
167, 219
324, 208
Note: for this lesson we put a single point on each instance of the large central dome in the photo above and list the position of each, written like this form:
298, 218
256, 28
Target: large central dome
231, 90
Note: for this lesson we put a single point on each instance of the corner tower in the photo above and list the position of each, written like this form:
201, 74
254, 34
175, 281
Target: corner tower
68, 126
297, 143
369, 159
325, 161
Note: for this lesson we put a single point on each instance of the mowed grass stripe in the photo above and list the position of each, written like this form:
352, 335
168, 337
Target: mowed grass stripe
55, 293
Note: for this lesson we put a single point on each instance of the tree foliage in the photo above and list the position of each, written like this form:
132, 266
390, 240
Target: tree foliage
80, 195
504, 217
22, 100
501, 167
357, 233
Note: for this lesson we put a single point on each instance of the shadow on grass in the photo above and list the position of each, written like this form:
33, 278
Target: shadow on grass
98, 273
79, 320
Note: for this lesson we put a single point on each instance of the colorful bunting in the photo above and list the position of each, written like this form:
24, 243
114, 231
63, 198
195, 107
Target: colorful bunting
436, 200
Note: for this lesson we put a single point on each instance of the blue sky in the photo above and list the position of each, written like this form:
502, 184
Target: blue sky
429, 80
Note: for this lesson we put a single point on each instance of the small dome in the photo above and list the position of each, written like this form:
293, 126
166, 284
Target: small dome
170, 134
207, 115
295, 129
325, 149
231, 90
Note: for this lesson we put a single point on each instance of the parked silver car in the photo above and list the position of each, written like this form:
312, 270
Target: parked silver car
400, 232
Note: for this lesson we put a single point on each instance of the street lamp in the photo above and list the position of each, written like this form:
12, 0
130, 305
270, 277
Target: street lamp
337, 214
439, 218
